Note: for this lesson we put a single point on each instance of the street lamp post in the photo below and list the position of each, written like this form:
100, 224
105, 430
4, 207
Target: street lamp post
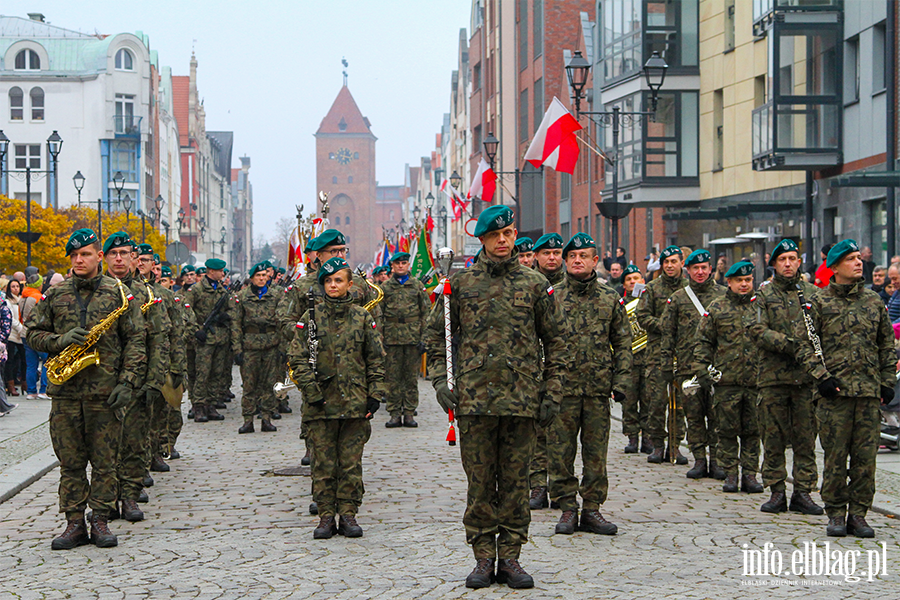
577, 71
224, 232
126, 202
180, 220
54, 146
165, 224
159, 201
490, 150
141, 214
78, 181
442, 214
119, 185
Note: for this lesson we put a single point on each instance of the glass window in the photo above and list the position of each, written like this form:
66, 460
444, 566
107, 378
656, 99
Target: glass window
37, 104
538, 103
124, 60
124, 158
28, 155
718, 130
878, 230
347, 220
524, 131
350, 179
523, 34
879, 51
630, 160
337, 219
729, 24
621, 38
334, 180
672, 29
671, 144
125, 121
28, 60
16, 104
851, 68
538, 27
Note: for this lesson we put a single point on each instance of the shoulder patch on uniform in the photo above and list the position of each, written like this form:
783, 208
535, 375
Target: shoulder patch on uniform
300, 325
130, 297
237, 300
550, 291
288, 288
177, 299
669, 301
753, 299
186, 305
43, 296
621, 301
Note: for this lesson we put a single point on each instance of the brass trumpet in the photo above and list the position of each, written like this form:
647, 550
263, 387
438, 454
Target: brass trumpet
281, 388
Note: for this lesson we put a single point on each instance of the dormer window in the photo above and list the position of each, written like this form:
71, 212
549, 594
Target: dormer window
124, 60
28, 60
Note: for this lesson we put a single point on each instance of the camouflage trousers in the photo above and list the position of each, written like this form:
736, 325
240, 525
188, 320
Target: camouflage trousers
85, 431
658, 404
337, 475
159, 423
786, 417
191, 374
401, 366
701, 421
211, 367
849, 428
259, 373
636, 409
166, 428
589, 417
134, 447
496, 453
537, 474
738, 429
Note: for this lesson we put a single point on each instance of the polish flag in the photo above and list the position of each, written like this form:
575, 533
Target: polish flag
484, 184
555, 144
457, 202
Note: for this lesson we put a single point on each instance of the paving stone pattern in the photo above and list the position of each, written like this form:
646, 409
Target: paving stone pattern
221, 525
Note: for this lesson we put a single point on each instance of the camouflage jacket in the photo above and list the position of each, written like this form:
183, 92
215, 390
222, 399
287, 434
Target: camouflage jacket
254, 324
123, 357
650, 310
724, 341
500, 313
403, 311
177, 358
350, 363
856, 337
776, 309
188, 321
159, 329
556, 278
679, 324
598, 343
202, 298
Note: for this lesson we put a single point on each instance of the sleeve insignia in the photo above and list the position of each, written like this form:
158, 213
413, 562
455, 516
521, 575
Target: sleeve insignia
300, 325
550, 291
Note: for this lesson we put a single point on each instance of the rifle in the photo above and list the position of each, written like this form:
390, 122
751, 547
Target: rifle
213, 315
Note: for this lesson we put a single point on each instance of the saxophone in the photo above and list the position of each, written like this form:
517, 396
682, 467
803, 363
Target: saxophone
379, 293
78, 357
638, 333
150, 299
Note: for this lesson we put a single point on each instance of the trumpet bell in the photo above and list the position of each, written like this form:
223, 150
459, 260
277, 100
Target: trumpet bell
281, 388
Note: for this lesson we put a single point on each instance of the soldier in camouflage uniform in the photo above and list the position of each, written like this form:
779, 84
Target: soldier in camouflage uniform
403, 308
679, 335
500, 314
785, 389
87, 409
381, 274
340, 394
650, 310
525, 247
254, 341
856, 368
210, 345
548, 262
598, 365
635, 408
724, 341
167, 427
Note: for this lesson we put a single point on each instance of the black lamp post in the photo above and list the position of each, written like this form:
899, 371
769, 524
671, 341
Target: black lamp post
165, 224
455, 179
141, 214
54, 146
224, 232
180, 219
126, 203
119, 185
577, 71
159, 201
442, 214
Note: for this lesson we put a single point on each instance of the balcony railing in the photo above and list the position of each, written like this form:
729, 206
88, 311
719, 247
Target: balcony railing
802, 136
127, 126
764, 10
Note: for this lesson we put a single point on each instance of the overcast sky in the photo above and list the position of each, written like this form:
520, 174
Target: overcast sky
269, 71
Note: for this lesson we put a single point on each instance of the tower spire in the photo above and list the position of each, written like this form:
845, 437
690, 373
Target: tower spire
344, 62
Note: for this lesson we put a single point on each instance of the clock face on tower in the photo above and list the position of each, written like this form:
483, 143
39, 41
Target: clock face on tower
344, 156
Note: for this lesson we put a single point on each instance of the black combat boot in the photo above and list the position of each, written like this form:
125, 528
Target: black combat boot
646, 445
267, 426
731, 483
174, 455
230, 396
283, 408
200, 414
75, 535
837, 527
191, 414
394, 422
131, 511
247, 427
327, 528
143, 497
632, 446
510, 572
568, 521
680, 459
313, 508
698, 471
212, 414
750, 485
802, 503
305, 460
349, 527
408, 421
147, 481
715, 471
482, 575
856, 525
276, 416
220, 404
777, 503
656, 456
538, 498
101, 536
159, 465
593, 522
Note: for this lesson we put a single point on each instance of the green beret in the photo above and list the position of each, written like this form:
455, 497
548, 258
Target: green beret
698, 256
525, 244
216, 264
631, 269
79, 239
329, 237
381, 269
331, 266
143, 249
579, 241
201, 270
783, 246
840, 250
225, 271
119, 239
670, 251
550, 241
399, 256
279, 270
156, 260
187, 269
260, 266
166, 272
740, 269
494, 217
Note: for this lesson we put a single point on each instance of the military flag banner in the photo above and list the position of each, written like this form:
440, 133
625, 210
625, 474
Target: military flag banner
422, 263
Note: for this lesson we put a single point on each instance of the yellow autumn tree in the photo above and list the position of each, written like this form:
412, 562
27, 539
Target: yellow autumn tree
48, 252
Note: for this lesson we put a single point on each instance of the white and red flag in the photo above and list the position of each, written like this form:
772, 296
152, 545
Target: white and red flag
484, 184
554, 144
457, 202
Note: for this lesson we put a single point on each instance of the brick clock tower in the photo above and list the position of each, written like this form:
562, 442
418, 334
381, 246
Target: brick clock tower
345, 168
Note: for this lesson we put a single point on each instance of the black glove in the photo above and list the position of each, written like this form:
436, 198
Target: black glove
239, 359
548, 411
618, 396
73, 336
121, 398
421, 348
200, 334
668, 376
177, 379
705, 381
829, 388
446, 397
887, 394
372, 405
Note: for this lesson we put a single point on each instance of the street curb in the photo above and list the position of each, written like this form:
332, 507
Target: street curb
18, 477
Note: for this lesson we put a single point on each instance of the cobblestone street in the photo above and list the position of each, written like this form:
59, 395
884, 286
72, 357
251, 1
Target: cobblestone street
221, 525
